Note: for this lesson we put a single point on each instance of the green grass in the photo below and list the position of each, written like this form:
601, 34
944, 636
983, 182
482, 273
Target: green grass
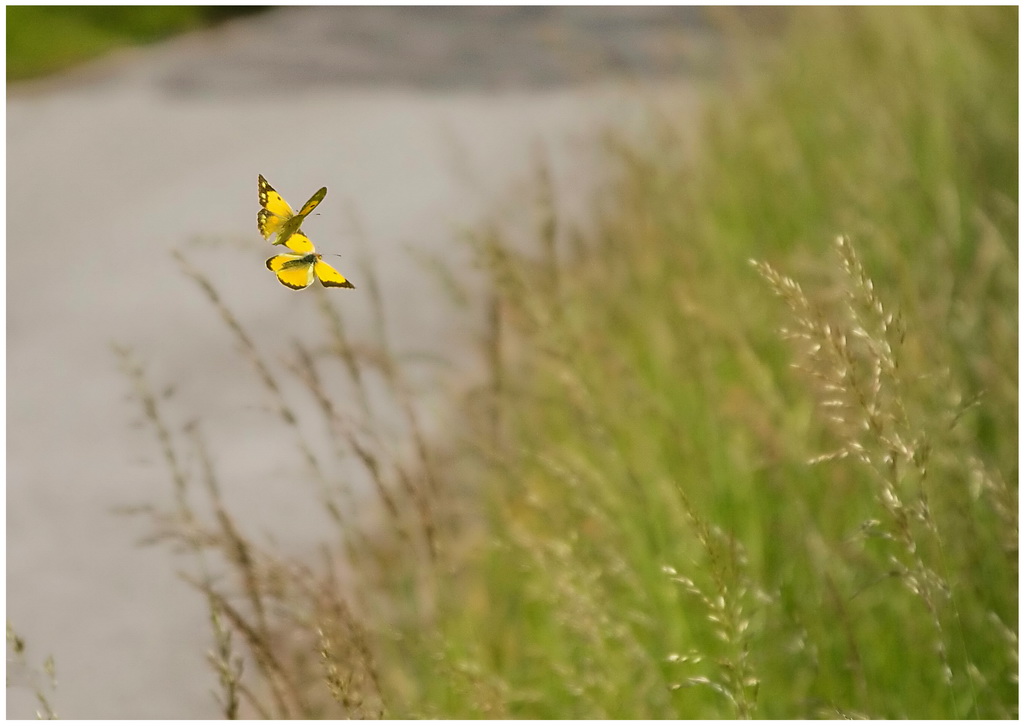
698, 487
45, 39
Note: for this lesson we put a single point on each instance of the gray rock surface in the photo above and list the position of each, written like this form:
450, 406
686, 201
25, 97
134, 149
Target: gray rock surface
420, 121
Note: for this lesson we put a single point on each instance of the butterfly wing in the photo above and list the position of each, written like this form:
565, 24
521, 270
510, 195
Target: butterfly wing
275, 212
294, 271
299, 243
291, 226
328, 276
313, 202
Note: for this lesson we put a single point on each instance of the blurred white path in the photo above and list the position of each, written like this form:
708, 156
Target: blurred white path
418, 123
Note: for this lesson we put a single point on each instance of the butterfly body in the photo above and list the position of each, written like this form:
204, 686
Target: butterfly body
277, 216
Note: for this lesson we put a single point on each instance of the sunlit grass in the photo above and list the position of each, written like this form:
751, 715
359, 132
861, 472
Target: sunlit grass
825, 530
693, 487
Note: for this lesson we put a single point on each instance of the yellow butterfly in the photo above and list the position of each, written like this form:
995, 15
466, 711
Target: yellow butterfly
298, 270
278, 216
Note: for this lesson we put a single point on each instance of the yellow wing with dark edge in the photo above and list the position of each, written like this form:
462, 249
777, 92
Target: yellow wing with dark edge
294, 271
275, 209
278, 217
328, 276
299, 271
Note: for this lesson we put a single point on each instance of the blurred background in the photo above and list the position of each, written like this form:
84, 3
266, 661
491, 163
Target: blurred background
550, 458
143, 131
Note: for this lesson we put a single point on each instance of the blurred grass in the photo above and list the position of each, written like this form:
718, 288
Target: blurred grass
43, 39
696, 488
651, 420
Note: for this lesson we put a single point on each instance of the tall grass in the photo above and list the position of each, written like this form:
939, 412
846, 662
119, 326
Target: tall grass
695, 487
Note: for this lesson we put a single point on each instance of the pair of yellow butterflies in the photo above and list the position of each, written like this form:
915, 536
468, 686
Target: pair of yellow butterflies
297, 270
